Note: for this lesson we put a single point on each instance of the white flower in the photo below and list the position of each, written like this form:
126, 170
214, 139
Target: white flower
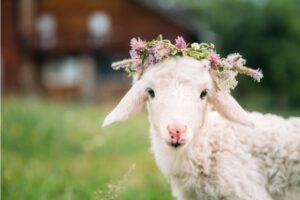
225, 79
195, 46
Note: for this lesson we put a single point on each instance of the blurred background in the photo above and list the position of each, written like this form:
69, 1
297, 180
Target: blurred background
57, 86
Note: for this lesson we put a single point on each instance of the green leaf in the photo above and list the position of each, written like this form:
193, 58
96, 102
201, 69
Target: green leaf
160, 37
144, 56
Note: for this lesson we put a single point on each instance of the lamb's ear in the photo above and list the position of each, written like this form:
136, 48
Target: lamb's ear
132, 102
229, 108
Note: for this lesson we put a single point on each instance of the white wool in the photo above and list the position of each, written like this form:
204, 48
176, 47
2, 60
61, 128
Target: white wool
233, 162
229, 153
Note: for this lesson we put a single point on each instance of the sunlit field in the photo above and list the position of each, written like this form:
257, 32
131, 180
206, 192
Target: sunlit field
60, 151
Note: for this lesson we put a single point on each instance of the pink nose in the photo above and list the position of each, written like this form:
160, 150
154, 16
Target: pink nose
176, 131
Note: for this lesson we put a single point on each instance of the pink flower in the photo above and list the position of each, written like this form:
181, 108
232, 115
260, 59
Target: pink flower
180, 43
137, 44
214, 59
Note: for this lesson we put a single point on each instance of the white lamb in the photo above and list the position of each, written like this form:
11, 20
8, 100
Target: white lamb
204, 154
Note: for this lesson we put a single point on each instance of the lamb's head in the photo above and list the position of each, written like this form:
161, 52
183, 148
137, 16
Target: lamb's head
177, 93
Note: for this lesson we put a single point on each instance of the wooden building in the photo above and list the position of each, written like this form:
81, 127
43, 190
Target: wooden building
41, 36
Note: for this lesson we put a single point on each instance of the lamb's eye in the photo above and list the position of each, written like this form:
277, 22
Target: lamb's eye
150, 92
203, 94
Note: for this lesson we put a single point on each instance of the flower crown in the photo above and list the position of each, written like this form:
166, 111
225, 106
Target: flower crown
224, 70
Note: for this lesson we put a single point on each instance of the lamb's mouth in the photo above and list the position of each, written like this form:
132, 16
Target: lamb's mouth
175, 144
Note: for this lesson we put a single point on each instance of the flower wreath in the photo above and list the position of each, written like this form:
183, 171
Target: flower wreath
224, 70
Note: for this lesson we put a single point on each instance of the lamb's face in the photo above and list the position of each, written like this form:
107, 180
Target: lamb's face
177, 93
177, 99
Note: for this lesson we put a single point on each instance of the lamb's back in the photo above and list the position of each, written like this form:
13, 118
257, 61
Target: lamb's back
275, 143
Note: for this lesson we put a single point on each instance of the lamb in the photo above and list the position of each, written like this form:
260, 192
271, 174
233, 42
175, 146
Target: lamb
205, 144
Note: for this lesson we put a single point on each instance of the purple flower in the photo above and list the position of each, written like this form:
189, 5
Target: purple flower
151, 59
160, 52
257, 75
137, 44
137, 65
235, 59
214, 59
180, 43
151, 50
134, 54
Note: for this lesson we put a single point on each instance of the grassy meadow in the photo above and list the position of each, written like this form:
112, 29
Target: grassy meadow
60, 151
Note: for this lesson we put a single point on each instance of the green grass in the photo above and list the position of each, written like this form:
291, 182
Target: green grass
60, 151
